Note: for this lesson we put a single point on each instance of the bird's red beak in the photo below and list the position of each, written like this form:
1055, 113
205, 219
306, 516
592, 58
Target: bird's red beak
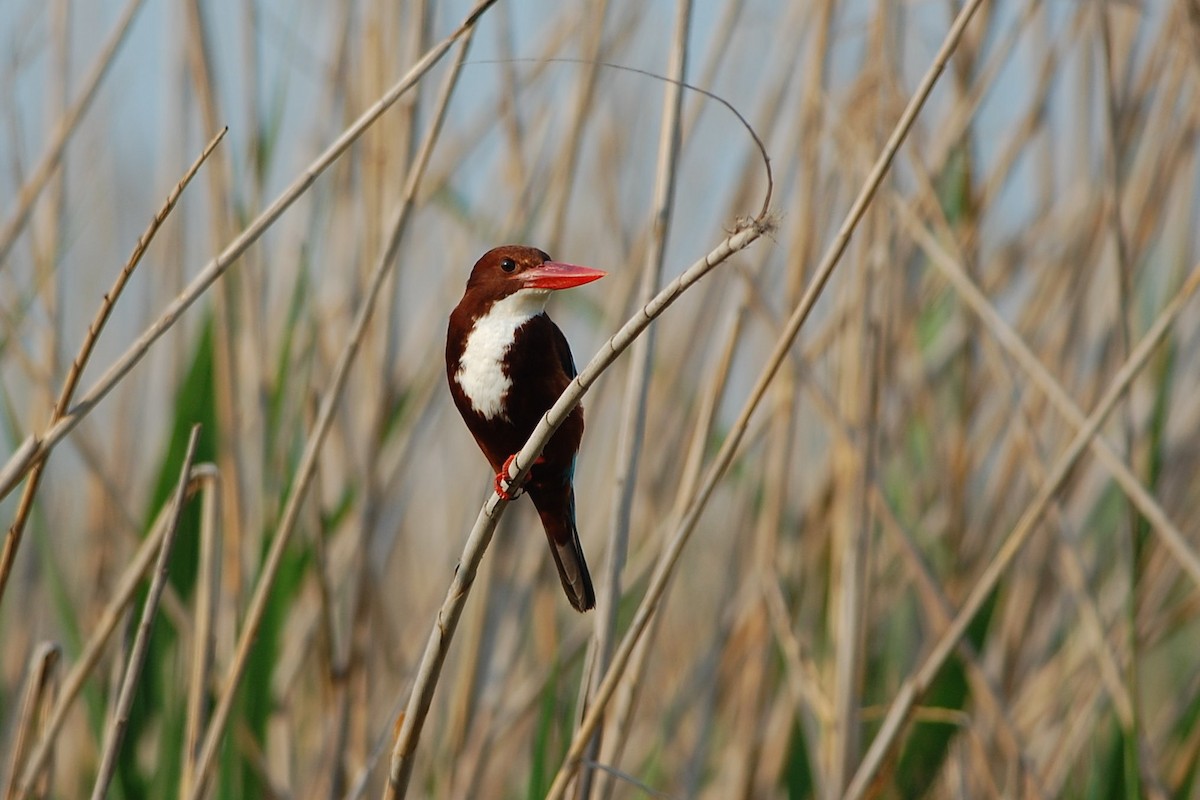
556, 275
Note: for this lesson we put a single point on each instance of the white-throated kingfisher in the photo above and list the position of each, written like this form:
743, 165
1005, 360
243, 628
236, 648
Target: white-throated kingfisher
507, 363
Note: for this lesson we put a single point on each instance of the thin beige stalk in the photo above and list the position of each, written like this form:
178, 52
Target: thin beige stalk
46, 241
940, 611
732, 683
803, 677
226, 321
485, 525
934, 600
724, 457
393, 148
520, 703
35, 447
852, 460
115, 733
778, 479
1123, 328
207, 589
689, 477
334, 667
103, 629
329, 404
851, 537
13, 540
563, 181
67, 125
1071, 566
633, 415
913, 687
39, 693
1012, 343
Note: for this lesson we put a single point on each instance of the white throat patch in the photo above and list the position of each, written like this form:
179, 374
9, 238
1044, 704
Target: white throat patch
480, 370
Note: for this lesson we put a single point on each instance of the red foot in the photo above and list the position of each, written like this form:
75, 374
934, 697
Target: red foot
503, 487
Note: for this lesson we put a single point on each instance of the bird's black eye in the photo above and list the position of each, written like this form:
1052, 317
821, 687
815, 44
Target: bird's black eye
508, 265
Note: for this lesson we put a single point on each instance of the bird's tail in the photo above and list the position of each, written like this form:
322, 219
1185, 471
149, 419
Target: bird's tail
567, 551
573, 572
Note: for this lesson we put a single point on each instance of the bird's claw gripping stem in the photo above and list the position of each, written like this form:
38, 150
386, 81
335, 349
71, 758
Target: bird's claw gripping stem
504, 487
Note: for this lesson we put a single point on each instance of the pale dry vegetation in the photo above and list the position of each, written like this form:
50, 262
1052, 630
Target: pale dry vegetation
950, 551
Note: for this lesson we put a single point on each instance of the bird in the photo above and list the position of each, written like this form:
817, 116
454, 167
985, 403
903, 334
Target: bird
507, 363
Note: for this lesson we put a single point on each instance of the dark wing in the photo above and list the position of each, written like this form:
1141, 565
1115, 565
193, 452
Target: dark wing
570, 434
562, 351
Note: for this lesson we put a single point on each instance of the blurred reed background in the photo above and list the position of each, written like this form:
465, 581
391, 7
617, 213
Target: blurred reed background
916, 454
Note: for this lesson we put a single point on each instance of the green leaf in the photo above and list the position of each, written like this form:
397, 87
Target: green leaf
927, 745
797, 772
543, 737
1106, 776
158, 705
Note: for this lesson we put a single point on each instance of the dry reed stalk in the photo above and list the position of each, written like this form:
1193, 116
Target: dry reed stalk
473, 133
1034, 699
852, 534
45, 240
41, 686
520, 703
329, 404
1071, 566
563, 177
203, 637
804, 674
447, 617
721, 462
33, 186
1066, 554
689, 476
808, 128
226, 381
392, 149
477, 655
633, 413
916, 683
860, 351
435, 653
35, 448
13, 540
740, 770
1007, 338
939, 609
335, 653
102, 630
405, 144
115, 731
